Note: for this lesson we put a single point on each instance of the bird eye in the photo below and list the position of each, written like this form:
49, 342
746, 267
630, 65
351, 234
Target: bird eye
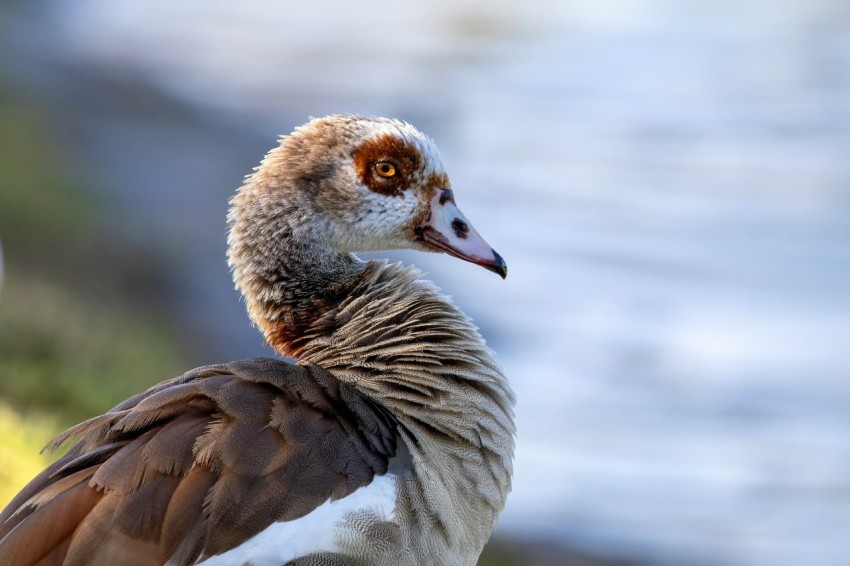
385, 169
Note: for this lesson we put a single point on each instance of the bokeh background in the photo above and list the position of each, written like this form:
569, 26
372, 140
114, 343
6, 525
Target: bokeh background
669, 182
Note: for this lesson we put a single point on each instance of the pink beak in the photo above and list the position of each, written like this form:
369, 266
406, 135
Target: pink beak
447, 230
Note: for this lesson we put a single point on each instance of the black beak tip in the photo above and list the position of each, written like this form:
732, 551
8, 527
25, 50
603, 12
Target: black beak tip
499, 266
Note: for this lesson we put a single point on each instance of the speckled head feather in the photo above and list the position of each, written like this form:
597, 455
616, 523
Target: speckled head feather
325, 168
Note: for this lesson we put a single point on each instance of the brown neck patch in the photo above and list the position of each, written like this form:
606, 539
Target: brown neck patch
388, 147
288, 334
288, 325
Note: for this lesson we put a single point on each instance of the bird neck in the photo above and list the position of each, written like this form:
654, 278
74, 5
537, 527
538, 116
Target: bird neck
290, 277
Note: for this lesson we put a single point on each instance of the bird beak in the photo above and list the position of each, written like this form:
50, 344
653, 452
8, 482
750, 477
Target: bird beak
447, 230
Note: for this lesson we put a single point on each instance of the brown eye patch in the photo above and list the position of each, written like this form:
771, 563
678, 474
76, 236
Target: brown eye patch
372, 154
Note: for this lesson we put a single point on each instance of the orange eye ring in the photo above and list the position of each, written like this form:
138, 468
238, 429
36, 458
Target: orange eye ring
385, 169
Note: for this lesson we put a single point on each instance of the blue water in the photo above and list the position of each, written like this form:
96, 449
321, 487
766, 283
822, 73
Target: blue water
668, 181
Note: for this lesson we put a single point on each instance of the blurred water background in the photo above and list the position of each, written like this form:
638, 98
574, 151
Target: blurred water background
668, 181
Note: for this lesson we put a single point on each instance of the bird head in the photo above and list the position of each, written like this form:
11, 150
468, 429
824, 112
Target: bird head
372, 184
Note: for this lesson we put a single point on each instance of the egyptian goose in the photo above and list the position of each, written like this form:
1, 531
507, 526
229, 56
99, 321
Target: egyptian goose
388, 442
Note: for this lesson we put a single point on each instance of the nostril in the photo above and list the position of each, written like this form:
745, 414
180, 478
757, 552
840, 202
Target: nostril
460, 227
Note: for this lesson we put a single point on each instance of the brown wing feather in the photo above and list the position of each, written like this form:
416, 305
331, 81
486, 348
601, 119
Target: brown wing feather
198, 464
35, 536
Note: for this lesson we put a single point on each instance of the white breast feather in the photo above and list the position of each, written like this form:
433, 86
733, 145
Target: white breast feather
314, 532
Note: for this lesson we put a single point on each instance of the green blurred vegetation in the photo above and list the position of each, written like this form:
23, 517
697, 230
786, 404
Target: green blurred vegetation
79, 328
